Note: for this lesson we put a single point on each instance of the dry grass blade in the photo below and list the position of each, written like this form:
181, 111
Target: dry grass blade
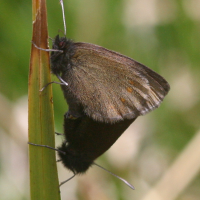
184, 169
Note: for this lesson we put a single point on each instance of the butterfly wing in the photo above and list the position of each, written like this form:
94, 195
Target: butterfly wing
112, 87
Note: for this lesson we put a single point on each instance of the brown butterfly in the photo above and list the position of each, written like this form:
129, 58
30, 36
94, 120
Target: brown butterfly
106, 85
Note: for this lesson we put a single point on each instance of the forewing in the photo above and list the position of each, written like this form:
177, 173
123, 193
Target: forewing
113, 87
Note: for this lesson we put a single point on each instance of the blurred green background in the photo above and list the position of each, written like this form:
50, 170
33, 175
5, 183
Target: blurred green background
160, 153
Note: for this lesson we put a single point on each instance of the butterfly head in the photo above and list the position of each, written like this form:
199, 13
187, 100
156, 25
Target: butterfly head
73, 160
60, 60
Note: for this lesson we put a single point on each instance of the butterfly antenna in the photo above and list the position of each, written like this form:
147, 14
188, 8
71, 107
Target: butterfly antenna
63, 12
123, 180
67, 180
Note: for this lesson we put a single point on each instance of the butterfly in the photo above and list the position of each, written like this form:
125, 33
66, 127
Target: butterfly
107, 86
86, 139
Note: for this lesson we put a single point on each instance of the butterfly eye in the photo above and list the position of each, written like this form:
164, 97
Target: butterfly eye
61, 44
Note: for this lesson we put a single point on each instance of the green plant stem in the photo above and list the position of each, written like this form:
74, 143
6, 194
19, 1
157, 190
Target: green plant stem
43, 171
